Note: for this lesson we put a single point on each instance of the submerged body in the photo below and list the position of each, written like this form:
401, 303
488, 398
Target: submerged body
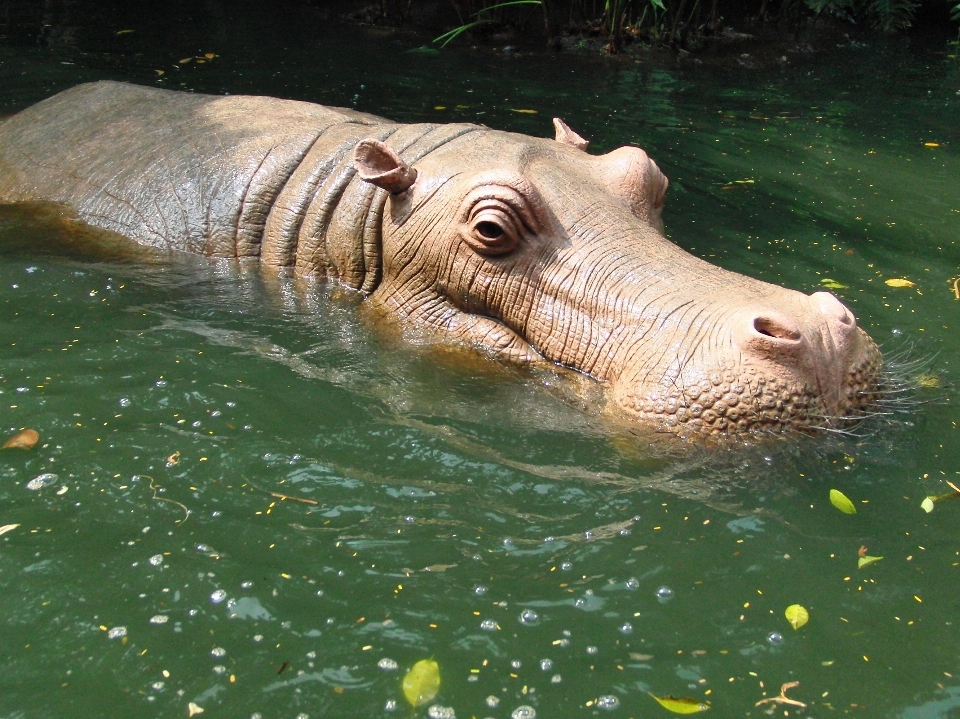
528, 248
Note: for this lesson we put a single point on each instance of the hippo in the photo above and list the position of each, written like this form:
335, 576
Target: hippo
530, 249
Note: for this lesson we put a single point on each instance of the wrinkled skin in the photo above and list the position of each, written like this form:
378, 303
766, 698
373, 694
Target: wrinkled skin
527, 248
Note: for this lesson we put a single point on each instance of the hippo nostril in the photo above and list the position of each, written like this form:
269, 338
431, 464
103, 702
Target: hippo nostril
834, 309
777, 328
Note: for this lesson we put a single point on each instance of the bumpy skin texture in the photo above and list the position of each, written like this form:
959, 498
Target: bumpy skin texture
528, 248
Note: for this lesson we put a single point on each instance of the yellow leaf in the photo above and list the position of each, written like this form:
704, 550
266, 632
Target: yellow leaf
422, 682
186, 60
524, 112
899, 282
194, 709
796, 615
681, 705
839, 500
8, 528
928, 380
201, 61
931, 144
159, 72
832, 284
440, 107
927, 504
24, 439
864, 561
209, 55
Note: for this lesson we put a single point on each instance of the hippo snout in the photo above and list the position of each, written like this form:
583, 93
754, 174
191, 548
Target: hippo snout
791, 362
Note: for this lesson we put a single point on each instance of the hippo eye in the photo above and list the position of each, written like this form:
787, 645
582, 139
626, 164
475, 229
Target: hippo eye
493, 228
489, 230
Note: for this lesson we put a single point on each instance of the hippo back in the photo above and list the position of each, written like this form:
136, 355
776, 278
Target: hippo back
168, 169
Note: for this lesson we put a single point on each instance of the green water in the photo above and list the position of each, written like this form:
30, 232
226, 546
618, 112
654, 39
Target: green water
476, 514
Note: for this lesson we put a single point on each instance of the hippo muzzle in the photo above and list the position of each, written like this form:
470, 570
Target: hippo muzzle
530, 249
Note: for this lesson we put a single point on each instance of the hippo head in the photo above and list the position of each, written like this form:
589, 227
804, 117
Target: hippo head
533, 248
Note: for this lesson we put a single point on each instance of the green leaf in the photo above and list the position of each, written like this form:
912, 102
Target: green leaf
681, 705
839, 500
927, 504
796, 615
660, 6
832, 284
864, 561
422, 682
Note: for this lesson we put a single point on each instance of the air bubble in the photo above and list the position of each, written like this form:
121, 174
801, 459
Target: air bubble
632, 583
556, 679
493, 701
117, 633
124, 402
516, 664
528, 616
157, 686
488, 625
546, 664
409, 520
523, 712
219, 669
218, 652
41, 481
388, 665
218, 596
479, 590
156, 560
608, 702
390, 706
566, 566
159, 619
592, 649
246, 585
441, 712
626, 628
664, 594
774, 637
161, 383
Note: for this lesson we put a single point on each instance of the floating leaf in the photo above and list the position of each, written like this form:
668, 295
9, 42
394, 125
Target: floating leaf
931, 144
865, 560
928, 380
194, 709
25, 439
440, 107
8, 528
839, 500
927, 504
796, 615
523, 112
160, 72
185, 60
124, 32
173, 459
422, 682
681, 705
832, 284
209, 55
899, 282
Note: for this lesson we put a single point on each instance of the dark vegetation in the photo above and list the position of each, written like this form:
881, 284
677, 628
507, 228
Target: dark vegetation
678, 24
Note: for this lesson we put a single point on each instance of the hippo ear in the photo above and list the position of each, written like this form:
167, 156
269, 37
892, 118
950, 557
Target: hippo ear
381, 166
568, 136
